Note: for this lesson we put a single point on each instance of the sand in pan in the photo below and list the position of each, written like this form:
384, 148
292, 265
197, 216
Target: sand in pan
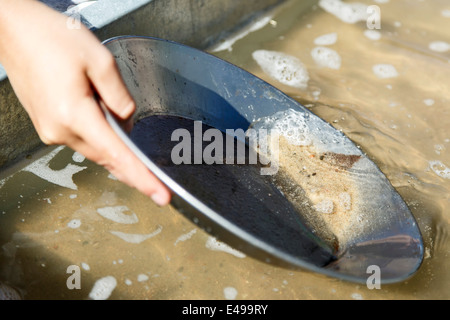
323, 189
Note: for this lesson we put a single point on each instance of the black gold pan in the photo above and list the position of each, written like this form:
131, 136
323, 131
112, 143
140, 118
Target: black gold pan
324, 207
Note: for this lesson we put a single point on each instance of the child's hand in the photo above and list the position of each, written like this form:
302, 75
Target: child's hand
55, 72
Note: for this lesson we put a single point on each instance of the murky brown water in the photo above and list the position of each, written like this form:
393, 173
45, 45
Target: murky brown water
400, 122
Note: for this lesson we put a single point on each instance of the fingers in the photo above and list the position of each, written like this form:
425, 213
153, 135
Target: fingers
106, 78
115, 156
99, 143
53, 71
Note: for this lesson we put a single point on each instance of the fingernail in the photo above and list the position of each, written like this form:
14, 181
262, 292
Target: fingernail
158, 199
127, 111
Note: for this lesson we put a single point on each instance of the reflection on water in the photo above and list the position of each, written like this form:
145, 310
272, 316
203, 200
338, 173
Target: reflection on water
387, 94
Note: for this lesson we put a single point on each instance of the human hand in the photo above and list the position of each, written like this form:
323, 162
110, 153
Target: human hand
55, 72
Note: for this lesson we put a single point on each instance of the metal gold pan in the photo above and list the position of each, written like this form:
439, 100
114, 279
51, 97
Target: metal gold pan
365, 225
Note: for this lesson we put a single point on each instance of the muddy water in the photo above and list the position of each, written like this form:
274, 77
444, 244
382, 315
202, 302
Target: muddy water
387, 90
60, 210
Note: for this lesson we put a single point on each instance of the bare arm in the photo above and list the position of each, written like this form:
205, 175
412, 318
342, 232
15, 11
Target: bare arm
55, 72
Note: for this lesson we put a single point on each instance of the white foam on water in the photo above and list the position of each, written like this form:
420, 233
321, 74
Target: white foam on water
117, 214
291, 125
325, 206
142, 277
440, 169
428, 102
3, 181
372, 34
345, 201
215, 245
230, 293
347, 12
61, 177
136, 238
185, 236
112, 177
284, 68
326, 57
326, 39
103, 288
439, 46
438, 148
78, 157
357, 296
74, 224
49, 201
385, 71
302, 129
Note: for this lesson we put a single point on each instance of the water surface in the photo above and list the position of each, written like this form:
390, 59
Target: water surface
386, 90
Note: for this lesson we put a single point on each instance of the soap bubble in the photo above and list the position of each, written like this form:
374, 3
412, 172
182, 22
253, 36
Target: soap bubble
285, 68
